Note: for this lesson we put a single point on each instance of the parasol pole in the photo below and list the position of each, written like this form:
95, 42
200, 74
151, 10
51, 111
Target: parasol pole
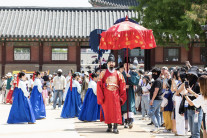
99, 51
128, 88
101, 109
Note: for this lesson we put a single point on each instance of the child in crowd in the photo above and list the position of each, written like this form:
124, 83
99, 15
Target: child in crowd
167, 106
45, 94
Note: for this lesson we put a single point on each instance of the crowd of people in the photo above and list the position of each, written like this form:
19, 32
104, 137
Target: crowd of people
174, 98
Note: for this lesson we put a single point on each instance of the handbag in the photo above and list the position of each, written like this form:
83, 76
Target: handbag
182, 108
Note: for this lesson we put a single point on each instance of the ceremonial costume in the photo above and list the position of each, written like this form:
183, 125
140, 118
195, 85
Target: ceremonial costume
37, 100
21, 110
72, 104
90, 110
111, 95
132, 81
11, 91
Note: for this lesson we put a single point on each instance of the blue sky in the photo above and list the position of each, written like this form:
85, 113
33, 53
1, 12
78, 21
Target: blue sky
46, 3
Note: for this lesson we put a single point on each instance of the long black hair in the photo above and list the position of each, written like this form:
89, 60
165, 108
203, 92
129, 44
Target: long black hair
74, 75
175, 74
21, 74
36, 73
94, 75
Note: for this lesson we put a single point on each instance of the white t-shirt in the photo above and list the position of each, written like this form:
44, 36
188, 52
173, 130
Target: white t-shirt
145, 89
30, 83
200, 101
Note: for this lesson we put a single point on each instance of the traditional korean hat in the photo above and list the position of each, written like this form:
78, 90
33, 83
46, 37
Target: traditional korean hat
111, 58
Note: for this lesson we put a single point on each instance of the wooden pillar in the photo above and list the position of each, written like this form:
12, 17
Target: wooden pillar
147, 59
190, 52
40, 55
78, 54
152, 58
3, 58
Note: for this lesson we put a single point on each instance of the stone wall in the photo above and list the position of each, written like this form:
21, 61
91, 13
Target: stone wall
54, 67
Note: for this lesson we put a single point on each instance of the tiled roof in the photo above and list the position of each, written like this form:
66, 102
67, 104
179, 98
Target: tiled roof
114, 3
24, 22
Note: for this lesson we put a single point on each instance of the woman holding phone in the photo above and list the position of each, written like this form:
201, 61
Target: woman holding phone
179, 91
201, 100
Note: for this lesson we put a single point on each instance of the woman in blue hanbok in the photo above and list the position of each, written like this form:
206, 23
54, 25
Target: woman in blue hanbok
72, 104
37, 99
21, 110
90, 110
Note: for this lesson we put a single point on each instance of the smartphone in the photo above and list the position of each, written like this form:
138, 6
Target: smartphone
186, 84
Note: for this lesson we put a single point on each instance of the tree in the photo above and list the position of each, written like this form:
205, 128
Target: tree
168, 19
197, 13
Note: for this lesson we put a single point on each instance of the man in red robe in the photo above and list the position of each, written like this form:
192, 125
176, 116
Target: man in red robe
111, 94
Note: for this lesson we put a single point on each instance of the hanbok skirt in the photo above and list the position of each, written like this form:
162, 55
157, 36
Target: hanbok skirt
21, 110
72, 104
37, 103
90, 110
9, 98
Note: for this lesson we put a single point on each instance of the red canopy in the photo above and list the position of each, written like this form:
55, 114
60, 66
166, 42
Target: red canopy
127, 35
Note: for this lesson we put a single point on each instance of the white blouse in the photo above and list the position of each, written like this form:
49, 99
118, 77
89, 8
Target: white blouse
200, 101
38, 83
23, 87
77, 84
92, 84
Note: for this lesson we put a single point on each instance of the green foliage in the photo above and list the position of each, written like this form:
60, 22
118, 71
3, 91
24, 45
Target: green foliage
21, 50
59, 50
168, 18
198, 13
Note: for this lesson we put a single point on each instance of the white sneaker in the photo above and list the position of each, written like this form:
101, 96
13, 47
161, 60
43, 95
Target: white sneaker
156, 130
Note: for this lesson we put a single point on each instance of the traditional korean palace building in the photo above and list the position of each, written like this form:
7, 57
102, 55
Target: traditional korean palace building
43, 38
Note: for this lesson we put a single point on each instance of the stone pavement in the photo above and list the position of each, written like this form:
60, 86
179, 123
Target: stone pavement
140, 129
55, 127
52, 127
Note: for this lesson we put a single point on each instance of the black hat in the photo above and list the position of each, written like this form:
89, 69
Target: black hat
111, 58
121, 65
156, 70
125, 60
104, 66
193, 70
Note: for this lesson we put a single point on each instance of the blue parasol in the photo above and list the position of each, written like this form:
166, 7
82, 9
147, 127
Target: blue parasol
94, 41
123, 19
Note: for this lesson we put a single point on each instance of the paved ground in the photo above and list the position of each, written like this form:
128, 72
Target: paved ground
52, 127
55, 127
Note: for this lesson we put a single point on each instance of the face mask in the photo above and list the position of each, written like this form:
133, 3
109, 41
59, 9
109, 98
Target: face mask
59, 74
154, 76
